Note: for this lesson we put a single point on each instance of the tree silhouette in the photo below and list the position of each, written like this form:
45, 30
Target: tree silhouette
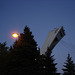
69, 66
46, 64
3, 57
50, 62
23, 55
3, 49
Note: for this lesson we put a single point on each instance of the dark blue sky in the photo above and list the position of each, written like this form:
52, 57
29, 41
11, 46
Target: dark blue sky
41, 16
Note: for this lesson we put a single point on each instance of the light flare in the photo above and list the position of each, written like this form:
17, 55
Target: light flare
15, 35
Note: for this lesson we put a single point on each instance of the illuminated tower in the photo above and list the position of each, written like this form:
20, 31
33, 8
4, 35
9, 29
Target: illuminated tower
52, 39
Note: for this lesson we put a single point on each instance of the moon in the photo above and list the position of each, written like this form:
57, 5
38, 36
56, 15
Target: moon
15, 35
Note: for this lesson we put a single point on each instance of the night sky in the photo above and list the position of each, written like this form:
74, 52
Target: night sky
41, 16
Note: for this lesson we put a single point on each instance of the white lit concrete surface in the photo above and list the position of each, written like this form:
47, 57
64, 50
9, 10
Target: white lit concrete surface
52, 39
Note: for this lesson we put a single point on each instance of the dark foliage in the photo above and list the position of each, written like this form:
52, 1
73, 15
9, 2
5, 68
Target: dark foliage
3, 57
69, 66
46, 64
23, 54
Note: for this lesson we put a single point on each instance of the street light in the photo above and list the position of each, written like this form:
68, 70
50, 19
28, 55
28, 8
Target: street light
15, 35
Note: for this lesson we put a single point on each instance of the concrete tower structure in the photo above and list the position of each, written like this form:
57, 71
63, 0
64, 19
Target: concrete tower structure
52, 39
